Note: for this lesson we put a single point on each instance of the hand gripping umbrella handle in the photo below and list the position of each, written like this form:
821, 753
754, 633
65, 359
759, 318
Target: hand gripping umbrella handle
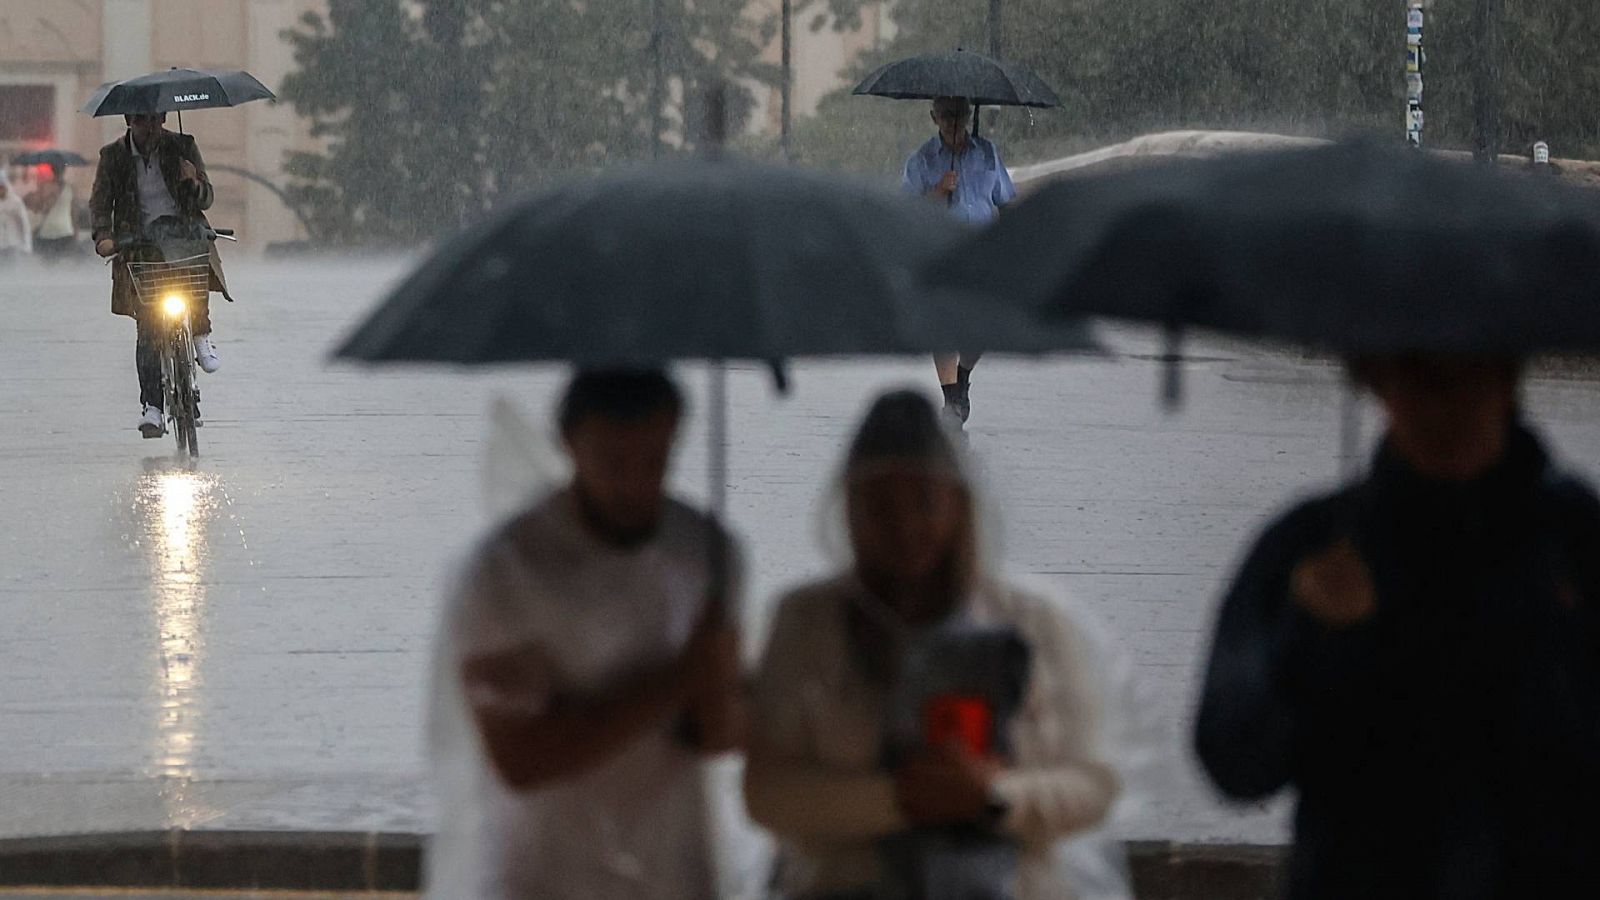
950, 200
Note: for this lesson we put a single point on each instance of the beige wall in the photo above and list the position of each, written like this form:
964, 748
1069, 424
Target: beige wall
817, 58
74, 45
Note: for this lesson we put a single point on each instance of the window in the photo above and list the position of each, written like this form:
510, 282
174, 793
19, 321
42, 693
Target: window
27, 113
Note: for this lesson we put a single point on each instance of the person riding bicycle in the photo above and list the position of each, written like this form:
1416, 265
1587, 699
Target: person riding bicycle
147, 175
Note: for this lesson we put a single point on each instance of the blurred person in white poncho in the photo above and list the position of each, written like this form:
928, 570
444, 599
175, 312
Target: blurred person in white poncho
584, 684
1000, 794
16, 231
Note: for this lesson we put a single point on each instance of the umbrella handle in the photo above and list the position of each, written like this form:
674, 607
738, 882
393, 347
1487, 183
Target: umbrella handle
717, 464
950, 199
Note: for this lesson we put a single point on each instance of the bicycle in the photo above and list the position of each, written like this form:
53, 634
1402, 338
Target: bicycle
171, 273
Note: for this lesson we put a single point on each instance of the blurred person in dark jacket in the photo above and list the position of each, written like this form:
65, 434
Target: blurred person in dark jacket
1418, 655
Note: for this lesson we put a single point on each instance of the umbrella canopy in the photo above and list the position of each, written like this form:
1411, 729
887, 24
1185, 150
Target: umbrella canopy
695, 260
176, 90
959, 73
51, 157
1350, 248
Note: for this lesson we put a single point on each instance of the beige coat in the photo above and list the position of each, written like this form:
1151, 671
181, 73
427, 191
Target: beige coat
812, 776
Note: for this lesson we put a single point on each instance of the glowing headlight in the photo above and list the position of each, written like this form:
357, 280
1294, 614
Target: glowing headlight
174, 305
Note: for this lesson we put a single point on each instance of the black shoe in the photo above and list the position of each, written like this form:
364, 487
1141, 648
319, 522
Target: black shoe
954, 417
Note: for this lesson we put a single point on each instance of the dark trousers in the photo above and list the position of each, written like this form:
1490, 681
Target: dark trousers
147, 349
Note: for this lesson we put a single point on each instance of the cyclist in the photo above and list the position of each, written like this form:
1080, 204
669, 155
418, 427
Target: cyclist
144, 176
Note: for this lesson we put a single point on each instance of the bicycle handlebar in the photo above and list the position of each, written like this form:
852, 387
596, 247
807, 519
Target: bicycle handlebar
128, 242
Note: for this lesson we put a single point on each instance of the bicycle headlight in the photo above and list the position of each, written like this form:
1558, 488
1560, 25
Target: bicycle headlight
174, 305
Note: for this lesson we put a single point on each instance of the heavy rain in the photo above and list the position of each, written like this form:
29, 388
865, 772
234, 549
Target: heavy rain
368, 243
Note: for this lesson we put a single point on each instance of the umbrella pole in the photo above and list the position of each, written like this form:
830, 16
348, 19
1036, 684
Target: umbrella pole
1349, 430
1172, 368
717, 466
180, 121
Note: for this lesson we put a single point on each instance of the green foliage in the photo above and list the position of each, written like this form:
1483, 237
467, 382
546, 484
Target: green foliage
1317, 67
434, 110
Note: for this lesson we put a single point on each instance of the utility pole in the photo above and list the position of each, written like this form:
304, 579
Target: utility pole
658, 88
786, 88
1487, 16
1414, 59
994, 53
994, 28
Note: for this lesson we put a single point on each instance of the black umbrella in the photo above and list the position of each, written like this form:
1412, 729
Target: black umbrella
176, 90
694, 260
51, 157
959, 73
1352, 248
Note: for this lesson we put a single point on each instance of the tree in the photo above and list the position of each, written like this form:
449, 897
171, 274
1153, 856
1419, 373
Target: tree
435, 110
1318, 67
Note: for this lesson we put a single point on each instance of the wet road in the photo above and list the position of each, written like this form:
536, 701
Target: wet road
242, 643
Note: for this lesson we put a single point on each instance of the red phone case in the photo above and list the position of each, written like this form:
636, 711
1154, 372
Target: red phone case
962, 718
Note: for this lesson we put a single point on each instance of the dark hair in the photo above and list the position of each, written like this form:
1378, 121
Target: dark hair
626, 394
903, 425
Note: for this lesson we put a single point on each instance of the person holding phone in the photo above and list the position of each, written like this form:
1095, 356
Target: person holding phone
834, 771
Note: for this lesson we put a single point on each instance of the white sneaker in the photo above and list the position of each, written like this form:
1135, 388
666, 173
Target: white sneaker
152, 424
205, 354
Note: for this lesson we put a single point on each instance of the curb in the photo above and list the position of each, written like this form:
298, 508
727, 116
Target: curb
382, 861
1163, 870
270, 860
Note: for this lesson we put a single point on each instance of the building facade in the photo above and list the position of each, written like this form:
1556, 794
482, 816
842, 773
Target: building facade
819, 57
54, 53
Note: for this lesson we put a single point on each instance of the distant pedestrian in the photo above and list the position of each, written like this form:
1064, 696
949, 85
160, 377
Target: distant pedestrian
1418, 656
53, 205
871, 799
964, 172
585, 680
16, 232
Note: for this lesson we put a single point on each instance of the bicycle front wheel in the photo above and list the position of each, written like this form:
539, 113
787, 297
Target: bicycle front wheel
185, 411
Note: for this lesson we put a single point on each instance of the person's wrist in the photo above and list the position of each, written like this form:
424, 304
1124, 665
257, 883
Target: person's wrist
997, 804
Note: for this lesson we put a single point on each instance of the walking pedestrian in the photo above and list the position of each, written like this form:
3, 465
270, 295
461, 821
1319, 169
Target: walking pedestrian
16, 233
585, 680
1418, 656
979, 803
964, 172
53, 204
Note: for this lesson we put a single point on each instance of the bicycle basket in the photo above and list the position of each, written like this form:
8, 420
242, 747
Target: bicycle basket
188, 278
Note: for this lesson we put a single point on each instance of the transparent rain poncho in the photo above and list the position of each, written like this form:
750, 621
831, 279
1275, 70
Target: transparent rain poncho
522, 466
1083, 705
523, 463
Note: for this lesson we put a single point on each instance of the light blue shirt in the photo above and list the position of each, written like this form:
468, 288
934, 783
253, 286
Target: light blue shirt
982, 184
